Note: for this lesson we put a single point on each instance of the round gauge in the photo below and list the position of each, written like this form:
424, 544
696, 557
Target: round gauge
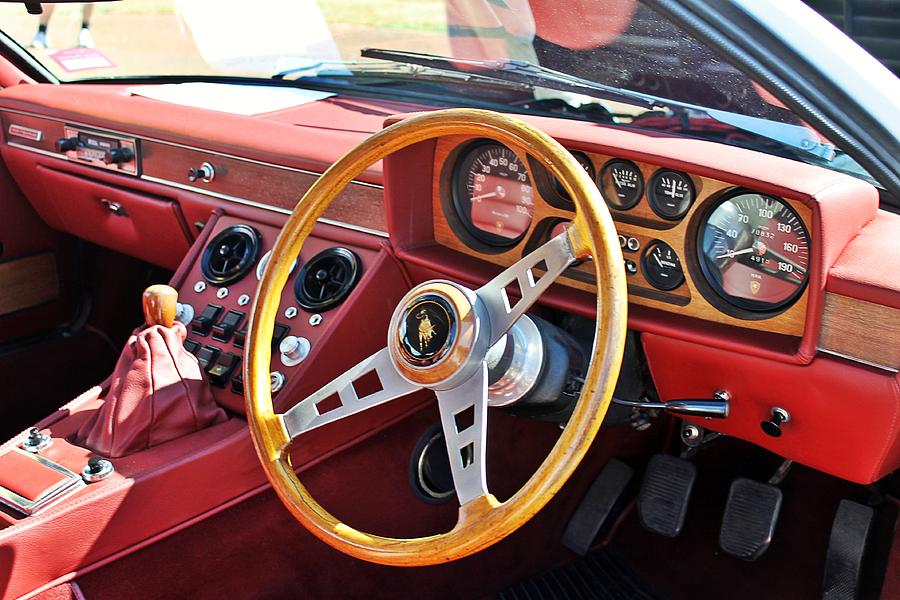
754, 251
661, 266
671, 194
492, 194
585, 163
621, 184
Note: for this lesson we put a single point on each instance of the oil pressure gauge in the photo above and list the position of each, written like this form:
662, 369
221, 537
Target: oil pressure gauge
661, 266
671, 194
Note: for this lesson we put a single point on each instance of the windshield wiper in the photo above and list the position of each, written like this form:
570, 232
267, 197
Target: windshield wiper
796, 137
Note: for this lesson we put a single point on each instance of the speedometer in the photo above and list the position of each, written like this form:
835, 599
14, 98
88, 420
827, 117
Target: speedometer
492, 194
754, 251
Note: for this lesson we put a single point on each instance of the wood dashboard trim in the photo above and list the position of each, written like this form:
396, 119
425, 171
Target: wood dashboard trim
861, 331
686, 300
354, 188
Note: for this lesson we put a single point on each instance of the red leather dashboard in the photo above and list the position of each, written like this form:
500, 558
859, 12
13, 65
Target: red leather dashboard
845, 413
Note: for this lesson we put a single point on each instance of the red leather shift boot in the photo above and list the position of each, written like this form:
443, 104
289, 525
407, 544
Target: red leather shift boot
156, 394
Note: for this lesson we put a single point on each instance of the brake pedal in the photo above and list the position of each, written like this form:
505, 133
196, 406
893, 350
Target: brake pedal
751, 513
665, 493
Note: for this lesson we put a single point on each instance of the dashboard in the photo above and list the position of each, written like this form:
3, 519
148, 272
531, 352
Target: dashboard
740, 265
691, 244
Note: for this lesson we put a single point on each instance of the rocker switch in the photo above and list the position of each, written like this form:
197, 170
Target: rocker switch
203, 323
225, 328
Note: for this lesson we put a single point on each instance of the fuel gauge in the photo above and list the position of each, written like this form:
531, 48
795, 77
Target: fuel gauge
621, 184
661, 266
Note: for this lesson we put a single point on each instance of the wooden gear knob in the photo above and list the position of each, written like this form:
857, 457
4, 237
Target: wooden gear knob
160, 305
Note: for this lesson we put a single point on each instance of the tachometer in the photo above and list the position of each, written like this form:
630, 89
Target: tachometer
492, 194
754, 251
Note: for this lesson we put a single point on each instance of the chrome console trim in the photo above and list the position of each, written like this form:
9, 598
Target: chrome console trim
71, 483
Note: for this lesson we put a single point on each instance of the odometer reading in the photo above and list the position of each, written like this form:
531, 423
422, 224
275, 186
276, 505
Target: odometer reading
493, 195
754, 252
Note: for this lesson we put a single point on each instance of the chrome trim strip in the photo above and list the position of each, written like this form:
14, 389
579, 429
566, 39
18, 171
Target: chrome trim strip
40, 151
859, 360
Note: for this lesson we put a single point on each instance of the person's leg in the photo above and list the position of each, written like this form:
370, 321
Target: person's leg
40, 38
85, 37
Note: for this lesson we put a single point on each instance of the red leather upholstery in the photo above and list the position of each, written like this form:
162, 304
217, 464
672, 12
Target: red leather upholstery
869, 267
157, 393
844, 417
26, 477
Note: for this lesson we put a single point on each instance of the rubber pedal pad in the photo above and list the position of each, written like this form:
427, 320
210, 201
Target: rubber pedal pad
599, 507
751, 514
846, 551
665, 492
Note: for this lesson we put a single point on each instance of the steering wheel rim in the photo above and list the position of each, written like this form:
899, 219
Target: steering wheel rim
483, 520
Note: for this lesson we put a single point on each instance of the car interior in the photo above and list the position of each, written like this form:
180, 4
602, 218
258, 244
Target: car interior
385, 343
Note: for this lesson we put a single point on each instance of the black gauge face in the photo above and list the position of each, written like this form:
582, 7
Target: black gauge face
754, 251
492, 194
661, 266
622, 184
671, 194
585, 163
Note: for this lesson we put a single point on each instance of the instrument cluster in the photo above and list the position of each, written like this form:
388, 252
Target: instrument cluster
687, 241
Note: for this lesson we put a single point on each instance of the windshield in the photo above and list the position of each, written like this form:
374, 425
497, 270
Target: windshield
619, 44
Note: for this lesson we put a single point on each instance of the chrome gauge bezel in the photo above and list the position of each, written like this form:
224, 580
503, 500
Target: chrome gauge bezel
463, 214
710, 286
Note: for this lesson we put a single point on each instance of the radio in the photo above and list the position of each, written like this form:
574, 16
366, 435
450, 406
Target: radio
109, 151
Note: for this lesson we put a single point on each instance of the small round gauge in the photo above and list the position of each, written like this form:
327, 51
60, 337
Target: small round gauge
621, 184
754, 251
585, 163
670, 194
661, 266
492, 194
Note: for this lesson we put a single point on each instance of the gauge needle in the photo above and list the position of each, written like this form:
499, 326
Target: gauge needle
734, 253
483, 196
616, 179
656, 256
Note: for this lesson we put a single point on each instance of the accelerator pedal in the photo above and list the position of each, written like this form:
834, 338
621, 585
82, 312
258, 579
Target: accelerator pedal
846, 547
598, 507
665, 492
751, 513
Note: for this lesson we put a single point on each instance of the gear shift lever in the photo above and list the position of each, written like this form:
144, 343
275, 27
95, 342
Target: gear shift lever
160, 305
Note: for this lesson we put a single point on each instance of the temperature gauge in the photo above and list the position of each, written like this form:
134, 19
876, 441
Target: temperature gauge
661, 266
621, 184
671, 194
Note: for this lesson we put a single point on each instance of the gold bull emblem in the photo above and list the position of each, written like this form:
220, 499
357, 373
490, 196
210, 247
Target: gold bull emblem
426, 329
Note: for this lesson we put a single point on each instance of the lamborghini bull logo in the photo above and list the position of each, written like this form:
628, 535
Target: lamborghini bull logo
426, 329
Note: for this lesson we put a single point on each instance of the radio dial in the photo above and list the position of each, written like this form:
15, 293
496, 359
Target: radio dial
118, 156
66, 144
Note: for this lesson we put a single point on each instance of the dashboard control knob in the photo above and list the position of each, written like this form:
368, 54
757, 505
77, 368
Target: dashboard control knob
117, 156
205, 173
66, 144
184, 313
97, 469
36, 440
772, 427
293, 350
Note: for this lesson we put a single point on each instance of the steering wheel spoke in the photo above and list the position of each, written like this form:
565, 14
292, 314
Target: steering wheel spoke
464, 421
553, 257
309, 413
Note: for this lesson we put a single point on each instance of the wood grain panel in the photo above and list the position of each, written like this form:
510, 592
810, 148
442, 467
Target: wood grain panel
360, 205
639, 222
28, 282
861, 330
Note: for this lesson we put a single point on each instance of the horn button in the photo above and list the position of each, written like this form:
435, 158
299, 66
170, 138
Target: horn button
436, 336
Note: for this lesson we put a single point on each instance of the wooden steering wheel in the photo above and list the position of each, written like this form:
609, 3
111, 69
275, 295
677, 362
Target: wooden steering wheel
446, 354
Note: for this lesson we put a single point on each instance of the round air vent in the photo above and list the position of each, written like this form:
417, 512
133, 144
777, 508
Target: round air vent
327, 279
230, 254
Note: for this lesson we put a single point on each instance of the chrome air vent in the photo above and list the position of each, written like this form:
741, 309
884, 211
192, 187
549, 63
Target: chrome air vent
230, 254
327, 279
